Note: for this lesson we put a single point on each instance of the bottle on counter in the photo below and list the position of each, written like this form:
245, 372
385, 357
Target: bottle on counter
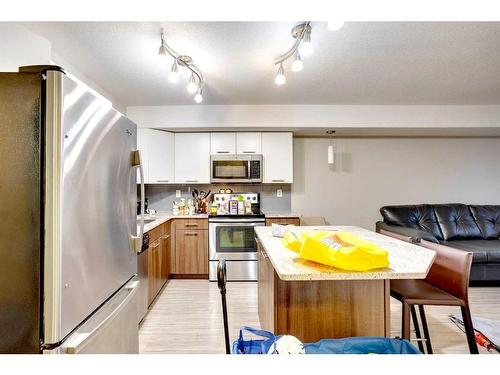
175, 208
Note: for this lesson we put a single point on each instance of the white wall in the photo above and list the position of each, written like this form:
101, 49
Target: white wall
19, 46
371, 173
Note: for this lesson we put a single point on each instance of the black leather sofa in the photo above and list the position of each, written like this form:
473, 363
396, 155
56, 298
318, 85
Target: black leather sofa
465, 227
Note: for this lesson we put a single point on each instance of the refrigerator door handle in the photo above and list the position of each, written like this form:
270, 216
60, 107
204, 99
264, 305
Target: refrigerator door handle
137, 240
78, 341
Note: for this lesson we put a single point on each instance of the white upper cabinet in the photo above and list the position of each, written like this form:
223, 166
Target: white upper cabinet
277, 153
249, 143
222, 143
157, 154
192, 158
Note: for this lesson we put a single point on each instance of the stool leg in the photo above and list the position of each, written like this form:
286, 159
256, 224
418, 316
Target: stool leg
469, 330
417, 328
405, 322
426, 329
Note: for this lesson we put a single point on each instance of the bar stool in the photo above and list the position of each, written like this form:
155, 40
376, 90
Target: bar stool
446, 284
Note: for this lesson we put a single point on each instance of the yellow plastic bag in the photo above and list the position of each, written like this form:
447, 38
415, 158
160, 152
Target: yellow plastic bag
338, 249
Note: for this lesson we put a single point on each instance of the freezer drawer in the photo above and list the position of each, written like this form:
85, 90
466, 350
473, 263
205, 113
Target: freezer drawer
242, 270
112, 329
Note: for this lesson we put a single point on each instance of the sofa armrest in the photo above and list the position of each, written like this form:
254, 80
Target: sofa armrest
415, 234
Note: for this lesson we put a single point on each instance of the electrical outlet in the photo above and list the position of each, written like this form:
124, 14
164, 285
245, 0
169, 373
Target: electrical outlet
177, 193
279, 193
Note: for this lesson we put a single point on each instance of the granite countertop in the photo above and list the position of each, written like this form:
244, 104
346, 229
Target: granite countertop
280, 214
407, 261
162, 217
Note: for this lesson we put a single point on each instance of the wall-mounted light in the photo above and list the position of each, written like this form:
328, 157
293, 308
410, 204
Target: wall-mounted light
331, 151
196, 81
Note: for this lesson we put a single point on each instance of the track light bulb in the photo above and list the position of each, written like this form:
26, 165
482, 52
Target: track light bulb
192, 87
297, 65
335, 25
306, 48
173, 76
162, 52
280, 77
198, 98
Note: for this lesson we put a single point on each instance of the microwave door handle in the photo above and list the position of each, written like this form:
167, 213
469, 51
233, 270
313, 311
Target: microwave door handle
137, 240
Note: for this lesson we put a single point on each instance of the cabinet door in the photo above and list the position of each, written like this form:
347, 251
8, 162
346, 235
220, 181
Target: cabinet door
160, 157
222, 143
153, 270
157, 152
191, 252
265, 291
192, 158
283, 221
165, 258
277, 151
249, 143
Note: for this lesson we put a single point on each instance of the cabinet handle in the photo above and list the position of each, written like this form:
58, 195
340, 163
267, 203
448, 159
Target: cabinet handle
190, 234
264, 255
191, 180
154, 246
167, 236
223, 152
191, 225
278, 180
162, 180
249, 152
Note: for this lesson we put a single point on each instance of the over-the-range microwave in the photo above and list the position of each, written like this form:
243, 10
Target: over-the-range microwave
236, 168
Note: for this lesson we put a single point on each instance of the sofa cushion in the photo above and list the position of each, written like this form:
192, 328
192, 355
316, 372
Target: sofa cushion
485, 251
488, 220
419, 217
456, 222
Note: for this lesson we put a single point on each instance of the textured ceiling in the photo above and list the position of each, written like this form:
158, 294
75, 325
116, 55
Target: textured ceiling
363, 63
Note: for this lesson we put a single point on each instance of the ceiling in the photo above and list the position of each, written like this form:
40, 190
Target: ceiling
362, 63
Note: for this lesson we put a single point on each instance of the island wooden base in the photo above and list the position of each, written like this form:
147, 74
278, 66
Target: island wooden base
314, 310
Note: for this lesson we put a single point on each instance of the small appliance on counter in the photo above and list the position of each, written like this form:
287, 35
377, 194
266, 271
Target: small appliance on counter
231, 236
146, 203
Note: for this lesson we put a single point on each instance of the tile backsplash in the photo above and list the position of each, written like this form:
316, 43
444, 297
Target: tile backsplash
161, 196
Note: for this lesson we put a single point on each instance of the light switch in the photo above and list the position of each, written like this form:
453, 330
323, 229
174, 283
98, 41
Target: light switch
279, 193
177, 193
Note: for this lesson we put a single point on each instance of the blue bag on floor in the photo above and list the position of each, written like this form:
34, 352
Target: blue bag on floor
361, 345
242, 346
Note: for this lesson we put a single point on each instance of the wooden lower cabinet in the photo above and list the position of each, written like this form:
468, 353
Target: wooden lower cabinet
159, 258
154, 261
265, 290
283, 221
191, 252
312, 310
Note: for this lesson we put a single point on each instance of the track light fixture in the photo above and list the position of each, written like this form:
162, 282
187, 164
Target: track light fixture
301, 47
196, 82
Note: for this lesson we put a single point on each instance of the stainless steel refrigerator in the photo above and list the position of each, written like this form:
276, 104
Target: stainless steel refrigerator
68, 232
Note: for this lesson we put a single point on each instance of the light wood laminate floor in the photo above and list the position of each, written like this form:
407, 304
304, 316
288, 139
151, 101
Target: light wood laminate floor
187, 318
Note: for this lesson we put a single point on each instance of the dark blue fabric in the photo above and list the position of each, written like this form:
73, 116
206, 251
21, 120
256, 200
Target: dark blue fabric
361, 345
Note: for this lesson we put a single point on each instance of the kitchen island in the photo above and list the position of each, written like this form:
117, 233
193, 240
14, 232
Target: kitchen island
313, 301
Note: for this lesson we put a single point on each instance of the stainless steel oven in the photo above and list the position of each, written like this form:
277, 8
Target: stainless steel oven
236, 168
233, 239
